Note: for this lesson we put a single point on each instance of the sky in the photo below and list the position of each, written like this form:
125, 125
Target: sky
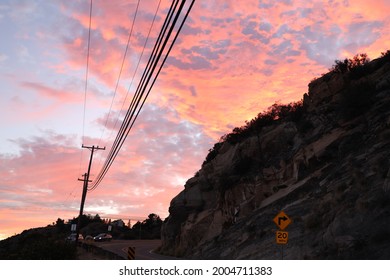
233, 59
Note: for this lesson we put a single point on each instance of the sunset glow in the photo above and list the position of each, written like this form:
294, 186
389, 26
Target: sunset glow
232, 60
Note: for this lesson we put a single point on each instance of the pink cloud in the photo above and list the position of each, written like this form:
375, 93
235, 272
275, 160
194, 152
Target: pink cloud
150, 170
50, 92
37, 181
241, 61
110, 27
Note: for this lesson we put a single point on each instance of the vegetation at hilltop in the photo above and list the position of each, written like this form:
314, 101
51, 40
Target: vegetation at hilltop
353, 103
275, 114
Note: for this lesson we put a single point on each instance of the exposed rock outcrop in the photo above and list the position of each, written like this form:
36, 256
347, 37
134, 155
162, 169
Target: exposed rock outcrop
328, 170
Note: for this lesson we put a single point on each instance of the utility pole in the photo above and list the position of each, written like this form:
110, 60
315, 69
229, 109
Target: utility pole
85, 187
92, 149
83, 196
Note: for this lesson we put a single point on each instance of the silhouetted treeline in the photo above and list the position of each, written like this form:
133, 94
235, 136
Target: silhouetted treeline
50, 242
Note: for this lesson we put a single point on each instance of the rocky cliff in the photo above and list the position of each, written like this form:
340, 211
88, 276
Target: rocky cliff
324, 162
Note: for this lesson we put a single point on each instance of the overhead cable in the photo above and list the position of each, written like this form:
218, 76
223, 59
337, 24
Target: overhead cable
121, 69
148, 79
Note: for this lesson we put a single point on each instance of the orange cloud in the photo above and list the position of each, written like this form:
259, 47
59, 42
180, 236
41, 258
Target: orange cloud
240, 62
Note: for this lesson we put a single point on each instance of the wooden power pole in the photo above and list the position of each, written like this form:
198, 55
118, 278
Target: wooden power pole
85, 187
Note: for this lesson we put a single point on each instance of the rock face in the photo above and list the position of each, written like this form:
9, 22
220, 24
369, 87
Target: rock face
328, 170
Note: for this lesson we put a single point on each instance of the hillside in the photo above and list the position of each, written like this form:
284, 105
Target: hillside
323, 161
50, 242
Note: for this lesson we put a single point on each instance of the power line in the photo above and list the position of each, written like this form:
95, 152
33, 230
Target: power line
144, 87
135, 101
87, 68
86, 83
117, 83
123, 132
85, 90
121, 69
137, 96
135, 71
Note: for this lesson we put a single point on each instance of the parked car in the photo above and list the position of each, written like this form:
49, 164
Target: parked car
103, 237
72, 237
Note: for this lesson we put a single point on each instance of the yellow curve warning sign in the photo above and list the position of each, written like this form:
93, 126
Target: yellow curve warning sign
282, 220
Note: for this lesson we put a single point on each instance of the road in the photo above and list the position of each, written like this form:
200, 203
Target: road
143, 249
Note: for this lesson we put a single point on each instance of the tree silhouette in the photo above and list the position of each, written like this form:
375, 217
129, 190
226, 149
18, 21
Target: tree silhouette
348, 64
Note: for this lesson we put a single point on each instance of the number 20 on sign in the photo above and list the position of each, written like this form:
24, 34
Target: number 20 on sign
281, 237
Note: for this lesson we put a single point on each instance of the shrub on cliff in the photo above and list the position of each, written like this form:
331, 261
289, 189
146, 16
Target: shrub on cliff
275, 114
356, 67
213, 152
385, 55
348, 64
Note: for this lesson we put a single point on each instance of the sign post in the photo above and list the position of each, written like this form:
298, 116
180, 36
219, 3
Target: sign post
282, 221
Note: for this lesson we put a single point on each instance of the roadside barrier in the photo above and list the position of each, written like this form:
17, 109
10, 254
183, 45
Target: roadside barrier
131, 253
90, 247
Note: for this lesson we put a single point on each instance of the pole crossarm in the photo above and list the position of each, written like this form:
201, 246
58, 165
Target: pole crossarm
84, 180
